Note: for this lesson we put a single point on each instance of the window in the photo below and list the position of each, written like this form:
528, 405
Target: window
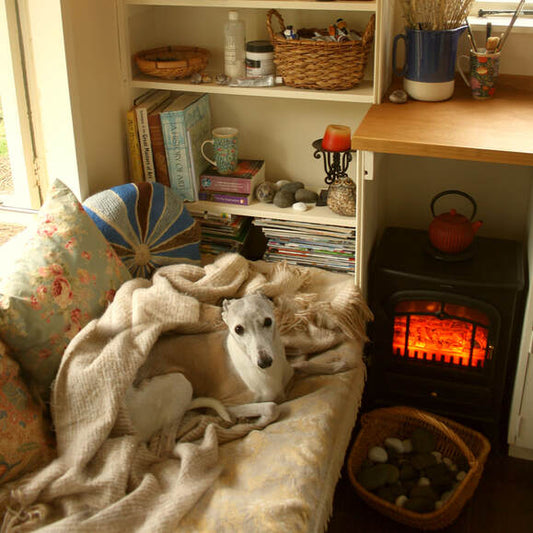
19, 171
507, 5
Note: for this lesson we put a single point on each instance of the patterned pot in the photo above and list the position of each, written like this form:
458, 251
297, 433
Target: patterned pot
341, 197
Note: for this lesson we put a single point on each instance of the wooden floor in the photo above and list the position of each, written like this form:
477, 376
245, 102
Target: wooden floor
502, 503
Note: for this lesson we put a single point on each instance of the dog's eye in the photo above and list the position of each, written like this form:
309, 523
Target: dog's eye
268, 322
239, 330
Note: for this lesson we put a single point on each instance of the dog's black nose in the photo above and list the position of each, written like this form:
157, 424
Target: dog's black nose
264, 361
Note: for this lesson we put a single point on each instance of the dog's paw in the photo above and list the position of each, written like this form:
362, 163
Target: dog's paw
339, 365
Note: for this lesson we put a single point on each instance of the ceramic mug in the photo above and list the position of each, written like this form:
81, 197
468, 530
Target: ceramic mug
225, 143
484, 68
429, 68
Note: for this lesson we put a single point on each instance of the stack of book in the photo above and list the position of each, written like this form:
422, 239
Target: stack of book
235, 188
165, 133
308, 244
223, 233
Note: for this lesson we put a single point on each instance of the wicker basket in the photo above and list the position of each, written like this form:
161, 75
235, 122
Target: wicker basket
309, 64
171, 62
453, 440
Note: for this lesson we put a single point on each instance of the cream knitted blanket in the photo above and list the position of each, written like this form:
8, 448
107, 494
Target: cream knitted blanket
103, 479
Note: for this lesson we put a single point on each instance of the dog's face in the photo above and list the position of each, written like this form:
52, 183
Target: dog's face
252, 326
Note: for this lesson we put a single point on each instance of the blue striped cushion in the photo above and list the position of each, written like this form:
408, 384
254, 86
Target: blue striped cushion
147, 224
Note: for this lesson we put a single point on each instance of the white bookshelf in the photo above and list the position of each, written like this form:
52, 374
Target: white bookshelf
277, 124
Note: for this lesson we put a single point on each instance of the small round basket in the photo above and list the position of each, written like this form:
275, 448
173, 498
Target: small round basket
453, 440
172, 62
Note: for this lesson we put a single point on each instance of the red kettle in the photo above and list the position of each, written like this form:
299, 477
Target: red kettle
452, 232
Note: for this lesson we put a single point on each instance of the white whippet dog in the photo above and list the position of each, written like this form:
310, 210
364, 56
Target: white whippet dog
233, 368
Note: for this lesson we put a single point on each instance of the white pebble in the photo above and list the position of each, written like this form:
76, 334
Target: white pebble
400, 500
445, 496
299, 206
394, 444
407, 446
279, 184
437, 456
378, 454
424, 482
460, 475
449, 463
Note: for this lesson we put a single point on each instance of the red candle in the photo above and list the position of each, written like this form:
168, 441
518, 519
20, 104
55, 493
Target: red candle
337, 138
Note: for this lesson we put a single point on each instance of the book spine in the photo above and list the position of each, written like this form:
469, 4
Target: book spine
158, 149
146, 145
224, 184
134, 149
224, 198
175, 139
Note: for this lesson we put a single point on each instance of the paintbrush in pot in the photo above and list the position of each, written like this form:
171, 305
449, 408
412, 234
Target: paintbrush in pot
511, 24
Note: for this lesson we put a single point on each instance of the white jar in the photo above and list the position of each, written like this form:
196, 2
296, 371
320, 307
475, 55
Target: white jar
234, 46
259, 59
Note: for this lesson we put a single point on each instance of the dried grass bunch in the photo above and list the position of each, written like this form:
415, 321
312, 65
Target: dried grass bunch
435, 15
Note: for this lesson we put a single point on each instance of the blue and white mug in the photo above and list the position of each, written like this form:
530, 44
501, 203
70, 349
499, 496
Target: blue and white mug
430, 56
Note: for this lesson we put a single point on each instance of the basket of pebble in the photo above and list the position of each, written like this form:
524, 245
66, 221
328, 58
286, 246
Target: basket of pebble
417, 468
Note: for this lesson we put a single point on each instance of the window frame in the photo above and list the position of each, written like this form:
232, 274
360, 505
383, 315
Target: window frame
18, 117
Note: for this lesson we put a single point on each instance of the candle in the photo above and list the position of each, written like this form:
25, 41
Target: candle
337, 138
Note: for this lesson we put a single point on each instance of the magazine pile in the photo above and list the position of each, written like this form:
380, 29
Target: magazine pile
223, 233
308, 244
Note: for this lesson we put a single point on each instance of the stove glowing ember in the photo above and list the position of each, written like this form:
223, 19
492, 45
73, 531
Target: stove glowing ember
441, 332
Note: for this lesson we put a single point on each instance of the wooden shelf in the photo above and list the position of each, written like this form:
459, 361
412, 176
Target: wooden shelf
319, 215
499, 130
264, 4
363, 93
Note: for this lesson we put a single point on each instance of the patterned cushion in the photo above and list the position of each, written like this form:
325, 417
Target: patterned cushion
26, 442
62, 273
147, 224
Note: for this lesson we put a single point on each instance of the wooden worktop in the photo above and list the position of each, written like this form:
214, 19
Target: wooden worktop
499, 130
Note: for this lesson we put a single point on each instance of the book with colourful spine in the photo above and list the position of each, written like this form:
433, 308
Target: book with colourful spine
134, 148
196, 134
142, 110
158, 144
226, 197
136, 171
176, 119
243, 180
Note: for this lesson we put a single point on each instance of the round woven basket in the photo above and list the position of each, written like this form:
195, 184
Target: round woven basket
172, 62
453, 440
309, 64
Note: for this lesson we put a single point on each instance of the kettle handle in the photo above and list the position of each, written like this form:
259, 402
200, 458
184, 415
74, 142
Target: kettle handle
454, 191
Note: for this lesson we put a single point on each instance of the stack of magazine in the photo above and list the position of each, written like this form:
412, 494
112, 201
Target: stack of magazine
223, 233
308, 244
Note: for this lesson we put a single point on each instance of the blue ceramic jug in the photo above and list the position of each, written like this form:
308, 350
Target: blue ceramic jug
430, 56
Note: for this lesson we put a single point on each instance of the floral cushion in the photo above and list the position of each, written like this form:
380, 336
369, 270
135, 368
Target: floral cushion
148, 225
25, 439
62, 273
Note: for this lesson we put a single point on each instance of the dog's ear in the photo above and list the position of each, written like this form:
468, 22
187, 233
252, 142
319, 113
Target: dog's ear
259, 292
225, 306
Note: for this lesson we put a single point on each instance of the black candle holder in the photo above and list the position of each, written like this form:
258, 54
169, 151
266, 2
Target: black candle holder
335, 163
341, 191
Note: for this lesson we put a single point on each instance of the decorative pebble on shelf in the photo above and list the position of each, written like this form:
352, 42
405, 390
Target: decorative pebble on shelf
280, 183
398, 97
283, 198
306, 196
265, 192
299, 206
292, 186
